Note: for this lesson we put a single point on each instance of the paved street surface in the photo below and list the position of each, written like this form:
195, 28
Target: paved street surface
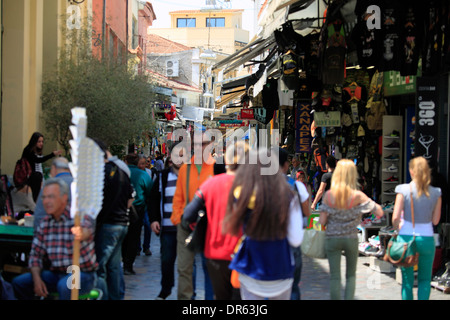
314, 285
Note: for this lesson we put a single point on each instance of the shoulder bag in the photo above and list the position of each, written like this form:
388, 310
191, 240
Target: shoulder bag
400, 253
196, 239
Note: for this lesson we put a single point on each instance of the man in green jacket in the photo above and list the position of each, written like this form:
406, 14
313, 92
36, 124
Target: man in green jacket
142, 184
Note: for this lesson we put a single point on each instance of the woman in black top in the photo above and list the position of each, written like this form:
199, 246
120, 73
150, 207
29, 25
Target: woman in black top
33, 153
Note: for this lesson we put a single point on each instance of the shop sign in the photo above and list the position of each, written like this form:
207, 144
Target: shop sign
395, 84
231, 123
303, 128
327, 119
247, 114
426, 144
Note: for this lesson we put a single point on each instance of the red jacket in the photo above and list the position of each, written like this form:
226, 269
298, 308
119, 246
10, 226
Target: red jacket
215, 192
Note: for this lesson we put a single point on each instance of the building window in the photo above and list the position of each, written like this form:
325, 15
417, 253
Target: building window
215, 22
186, 23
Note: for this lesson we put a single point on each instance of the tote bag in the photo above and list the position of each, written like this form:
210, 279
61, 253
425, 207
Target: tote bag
313, 244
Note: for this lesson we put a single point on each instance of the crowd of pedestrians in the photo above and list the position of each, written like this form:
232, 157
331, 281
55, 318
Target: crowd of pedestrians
255, 224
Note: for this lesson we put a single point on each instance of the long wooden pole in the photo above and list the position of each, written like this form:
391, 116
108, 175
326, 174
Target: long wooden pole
76, 261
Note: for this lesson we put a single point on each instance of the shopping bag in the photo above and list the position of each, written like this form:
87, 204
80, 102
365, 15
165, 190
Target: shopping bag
313, 244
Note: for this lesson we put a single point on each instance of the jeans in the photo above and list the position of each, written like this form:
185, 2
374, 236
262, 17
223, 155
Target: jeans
295, 294
108, 248
55, 281
147, 233
426, 248
168, 257
334, 248
209, 292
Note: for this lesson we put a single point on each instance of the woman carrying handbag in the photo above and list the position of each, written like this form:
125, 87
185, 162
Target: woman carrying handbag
426, 204
341, 212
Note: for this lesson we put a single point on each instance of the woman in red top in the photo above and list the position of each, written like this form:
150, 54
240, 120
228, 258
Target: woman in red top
219, 247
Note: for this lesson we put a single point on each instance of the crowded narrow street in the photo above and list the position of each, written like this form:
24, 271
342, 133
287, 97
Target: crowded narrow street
314, 285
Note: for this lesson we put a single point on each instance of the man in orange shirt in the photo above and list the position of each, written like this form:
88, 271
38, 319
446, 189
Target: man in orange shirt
199, 171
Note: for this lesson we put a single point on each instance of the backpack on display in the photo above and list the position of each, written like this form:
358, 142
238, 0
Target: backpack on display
22, 172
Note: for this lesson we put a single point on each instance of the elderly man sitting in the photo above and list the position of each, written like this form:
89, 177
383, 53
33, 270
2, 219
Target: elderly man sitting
53, 247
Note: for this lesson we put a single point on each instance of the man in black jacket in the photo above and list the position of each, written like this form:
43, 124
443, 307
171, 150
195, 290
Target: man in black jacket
112, 225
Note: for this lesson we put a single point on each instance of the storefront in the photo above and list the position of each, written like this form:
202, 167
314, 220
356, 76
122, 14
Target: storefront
371, 88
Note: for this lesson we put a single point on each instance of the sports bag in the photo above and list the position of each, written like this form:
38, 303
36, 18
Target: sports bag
22, 172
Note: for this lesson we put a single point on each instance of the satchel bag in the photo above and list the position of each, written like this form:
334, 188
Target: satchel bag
400, 253
313, 244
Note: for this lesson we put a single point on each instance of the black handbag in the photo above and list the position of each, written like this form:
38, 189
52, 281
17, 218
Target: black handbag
196, 239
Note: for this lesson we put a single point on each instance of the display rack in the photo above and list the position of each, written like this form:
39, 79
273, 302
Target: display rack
391, 158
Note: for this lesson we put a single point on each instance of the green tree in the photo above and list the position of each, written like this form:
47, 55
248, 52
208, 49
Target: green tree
118, 101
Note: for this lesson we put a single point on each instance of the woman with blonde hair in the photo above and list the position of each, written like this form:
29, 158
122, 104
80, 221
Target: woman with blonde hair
341, 211
427, 202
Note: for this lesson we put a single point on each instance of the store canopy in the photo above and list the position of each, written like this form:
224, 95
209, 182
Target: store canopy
305, 16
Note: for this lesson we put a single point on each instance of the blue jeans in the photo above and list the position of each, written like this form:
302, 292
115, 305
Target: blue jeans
295, 294
108, 248
209, 292
55, 281
147, 233
168, 256
426, 248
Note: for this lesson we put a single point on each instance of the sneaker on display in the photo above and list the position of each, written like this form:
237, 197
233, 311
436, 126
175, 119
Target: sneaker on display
394, 134
392, 179
394, 145
391, 168
392, 157
389, 191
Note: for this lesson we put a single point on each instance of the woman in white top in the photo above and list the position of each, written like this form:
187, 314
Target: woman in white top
427, 203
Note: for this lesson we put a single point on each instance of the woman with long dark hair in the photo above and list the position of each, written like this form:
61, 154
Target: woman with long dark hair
427, 202
33, 153
262, 205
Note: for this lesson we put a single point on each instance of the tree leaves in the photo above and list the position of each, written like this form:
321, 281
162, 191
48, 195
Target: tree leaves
118, 103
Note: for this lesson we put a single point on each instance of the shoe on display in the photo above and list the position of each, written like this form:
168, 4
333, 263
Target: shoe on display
390, 191
394, 145
392, 168
392, 179
394, 134
392, 157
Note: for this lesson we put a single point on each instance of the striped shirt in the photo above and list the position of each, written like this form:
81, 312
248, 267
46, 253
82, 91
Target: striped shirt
54, 241
166, 204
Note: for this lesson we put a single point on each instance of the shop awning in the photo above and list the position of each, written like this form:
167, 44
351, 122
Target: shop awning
305, 15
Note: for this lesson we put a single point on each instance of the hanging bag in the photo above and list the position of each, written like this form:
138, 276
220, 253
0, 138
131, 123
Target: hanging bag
400, 253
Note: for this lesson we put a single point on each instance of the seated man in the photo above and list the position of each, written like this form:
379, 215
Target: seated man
53, 246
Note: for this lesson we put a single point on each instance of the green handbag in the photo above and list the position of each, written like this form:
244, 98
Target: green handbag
400, 253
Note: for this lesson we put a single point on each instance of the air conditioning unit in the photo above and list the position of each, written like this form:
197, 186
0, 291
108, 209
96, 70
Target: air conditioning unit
172, 68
